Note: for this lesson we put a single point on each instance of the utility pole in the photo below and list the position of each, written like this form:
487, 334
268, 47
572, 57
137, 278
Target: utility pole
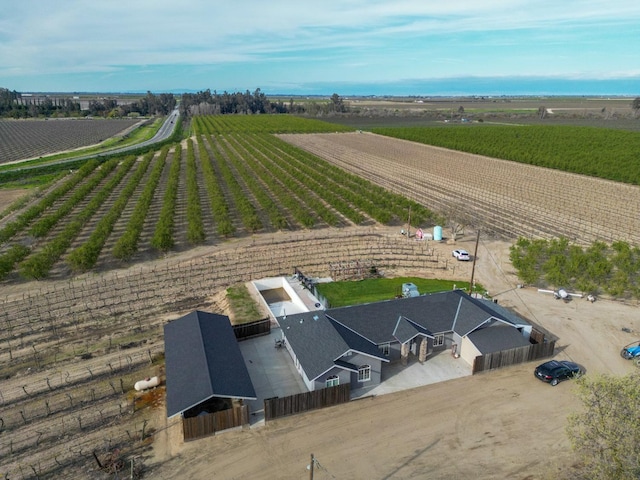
473, 267
313, 460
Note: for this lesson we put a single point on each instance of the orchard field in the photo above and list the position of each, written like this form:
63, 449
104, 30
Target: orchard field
24, 139
210, 188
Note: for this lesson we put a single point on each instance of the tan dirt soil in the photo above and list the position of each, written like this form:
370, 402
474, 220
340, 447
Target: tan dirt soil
8, 196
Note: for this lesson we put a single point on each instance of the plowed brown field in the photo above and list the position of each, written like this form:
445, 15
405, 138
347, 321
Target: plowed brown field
498, 196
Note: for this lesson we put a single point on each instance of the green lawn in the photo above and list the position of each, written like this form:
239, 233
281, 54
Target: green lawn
341, 294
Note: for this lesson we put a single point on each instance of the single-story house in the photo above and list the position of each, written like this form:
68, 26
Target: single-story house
352, 344
197, 346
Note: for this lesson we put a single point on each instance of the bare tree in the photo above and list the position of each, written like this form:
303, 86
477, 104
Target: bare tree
542, 112
458, 217
635, 106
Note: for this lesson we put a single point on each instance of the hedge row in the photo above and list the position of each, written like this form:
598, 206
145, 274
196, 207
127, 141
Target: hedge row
85, 256
127, 244
38, 265
163, 234
613, 269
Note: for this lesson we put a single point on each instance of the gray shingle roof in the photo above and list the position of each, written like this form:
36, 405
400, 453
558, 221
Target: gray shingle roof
203, 360
405, 330
435, 313
441, 312
497, 337
503, 313
319, 338
346, 365
318, 342
314, 340
357, 342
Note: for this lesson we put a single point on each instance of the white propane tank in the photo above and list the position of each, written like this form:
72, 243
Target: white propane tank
146, 383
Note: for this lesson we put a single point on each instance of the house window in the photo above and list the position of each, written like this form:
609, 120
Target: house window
333, 381
385, 348
364, 373
438, 340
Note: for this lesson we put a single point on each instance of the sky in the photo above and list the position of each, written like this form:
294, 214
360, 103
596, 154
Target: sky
318, 47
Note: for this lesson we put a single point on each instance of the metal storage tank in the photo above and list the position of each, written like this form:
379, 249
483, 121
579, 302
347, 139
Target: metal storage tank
437, 233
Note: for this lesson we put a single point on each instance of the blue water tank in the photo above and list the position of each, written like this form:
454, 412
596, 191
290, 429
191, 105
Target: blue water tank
437, 233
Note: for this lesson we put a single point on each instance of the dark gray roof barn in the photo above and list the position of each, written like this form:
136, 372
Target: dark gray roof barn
203, 360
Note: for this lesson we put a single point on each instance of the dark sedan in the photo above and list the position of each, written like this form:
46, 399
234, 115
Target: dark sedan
554, 371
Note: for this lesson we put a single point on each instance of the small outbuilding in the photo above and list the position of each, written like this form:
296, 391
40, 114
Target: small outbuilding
205, 370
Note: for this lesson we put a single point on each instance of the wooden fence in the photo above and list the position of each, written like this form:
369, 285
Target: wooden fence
252, 329
204, 425
543, 345
302, 402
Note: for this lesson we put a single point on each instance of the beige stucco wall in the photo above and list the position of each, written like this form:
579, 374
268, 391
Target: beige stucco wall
468, 350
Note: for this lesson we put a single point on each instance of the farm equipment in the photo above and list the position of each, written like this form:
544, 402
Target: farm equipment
561, 294
632, 352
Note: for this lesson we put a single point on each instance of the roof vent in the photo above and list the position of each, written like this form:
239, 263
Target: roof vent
315, 317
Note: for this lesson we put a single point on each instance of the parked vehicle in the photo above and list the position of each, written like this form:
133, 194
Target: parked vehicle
632, 351
555, 371
461, 255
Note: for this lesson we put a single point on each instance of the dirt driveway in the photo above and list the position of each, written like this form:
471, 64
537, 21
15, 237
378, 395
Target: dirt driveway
499, 424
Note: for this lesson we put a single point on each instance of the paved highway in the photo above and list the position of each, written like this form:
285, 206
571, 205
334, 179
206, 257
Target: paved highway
164, 132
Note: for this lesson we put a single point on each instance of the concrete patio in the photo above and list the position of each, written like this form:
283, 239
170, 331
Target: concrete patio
273, 374
396, 377
271, 370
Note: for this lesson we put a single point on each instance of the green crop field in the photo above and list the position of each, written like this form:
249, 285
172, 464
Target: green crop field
604, 153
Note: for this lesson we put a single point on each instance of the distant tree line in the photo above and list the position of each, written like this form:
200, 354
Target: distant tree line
16, 105
150, 104
207, 103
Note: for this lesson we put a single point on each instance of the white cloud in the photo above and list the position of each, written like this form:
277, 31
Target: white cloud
44, 37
